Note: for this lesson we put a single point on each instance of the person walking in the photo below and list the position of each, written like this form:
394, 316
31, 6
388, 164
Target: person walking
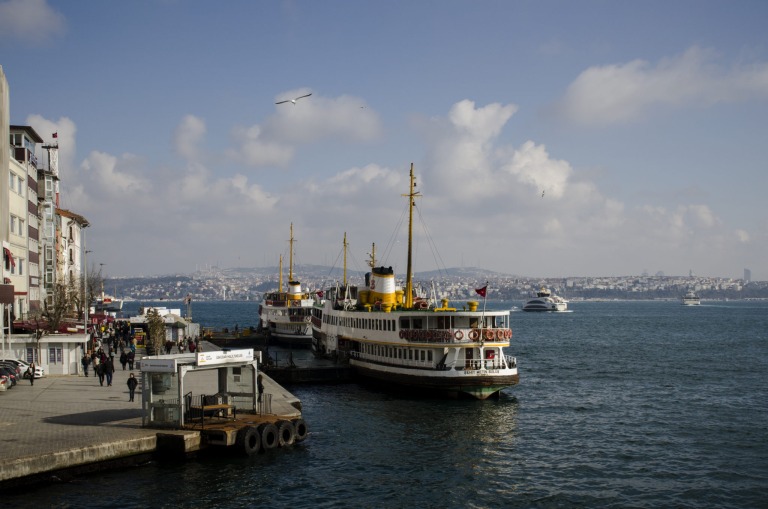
132, 383
131, 357
99, 368
109, 369
86, 360
123, 359
31, 373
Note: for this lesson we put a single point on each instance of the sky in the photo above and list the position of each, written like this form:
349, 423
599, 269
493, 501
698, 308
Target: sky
548, 138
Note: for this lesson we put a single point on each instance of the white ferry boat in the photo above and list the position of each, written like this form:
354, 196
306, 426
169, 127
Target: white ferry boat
286, 315
691, 299
545, 301
391, 336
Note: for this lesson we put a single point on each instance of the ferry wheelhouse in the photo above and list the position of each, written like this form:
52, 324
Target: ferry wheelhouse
391, 335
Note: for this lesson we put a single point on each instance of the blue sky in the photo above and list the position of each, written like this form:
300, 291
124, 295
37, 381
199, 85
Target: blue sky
549, 138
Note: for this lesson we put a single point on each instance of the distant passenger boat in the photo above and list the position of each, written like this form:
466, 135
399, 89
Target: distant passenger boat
400, 339
545, 301
108, 304
691, 299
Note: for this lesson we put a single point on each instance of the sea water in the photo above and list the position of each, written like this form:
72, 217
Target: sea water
620, 404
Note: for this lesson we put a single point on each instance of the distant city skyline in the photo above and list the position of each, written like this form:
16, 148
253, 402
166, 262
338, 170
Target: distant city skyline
549, 138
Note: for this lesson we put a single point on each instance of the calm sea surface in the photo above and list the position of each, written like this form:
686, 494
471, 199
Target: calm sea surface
620, 404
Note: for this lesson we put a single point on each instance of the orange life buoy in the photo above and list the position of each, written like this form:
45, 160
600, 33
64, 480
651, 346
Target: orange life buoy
500, 334
508, 334
489, 334
474, 334
459, 335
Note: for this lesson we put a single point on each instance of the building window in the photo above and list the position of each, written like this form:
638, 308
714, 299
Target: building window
55, 355
31, 355
13, 223
20, 265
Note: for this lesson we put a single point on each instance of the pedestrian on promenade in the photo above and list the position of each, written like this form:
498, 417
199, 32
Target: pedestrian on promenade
260, 385
31, 373
109, 369
131, 357
123, 359
86, 361
99, 368
132, 383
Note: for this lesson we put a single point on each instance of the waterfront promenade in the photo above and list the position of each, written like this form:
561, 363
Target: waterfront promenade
64, 422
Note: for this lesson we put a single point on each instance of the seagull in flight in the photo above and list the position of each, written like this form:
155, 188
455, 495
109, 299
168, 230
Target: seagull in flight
293, 100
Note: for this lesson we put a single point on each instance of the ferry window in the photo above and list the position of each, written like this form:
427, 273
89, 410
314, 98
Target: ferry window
404, 323
429, 355
473, 323
410, 355
417, 323
422, 355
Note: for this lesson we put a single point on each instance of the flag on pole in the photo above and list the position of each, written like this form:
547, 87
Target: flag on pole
482, 291
56, 135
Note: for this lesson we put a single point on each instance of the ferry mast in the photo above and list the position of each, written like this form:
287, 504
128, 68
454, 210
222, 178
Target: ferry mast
409, 276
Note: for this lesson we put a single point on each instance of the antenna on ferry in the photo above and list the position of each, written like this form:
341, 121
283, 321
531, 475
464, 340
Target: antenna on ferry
372, 256
409, 276
290, 254
345, 260
280, 286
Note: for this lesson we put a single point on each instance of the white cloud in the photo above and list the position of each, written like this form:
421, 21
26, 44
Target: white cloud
253, 150
492, 216
32, 21
105, 169
532, 165
189, 133
622, 93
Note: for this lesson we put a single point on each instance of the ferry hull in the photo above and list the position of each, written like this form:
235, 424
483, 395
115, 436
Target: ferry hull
479, 387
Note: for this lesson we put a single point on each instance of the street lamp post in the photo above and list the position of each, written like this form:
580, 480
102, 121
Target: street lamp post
86, 300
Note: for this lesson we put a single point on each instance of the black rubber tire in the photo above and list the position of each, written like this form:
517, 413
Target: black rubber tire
269, 436
249, 440
301, 429
286, 434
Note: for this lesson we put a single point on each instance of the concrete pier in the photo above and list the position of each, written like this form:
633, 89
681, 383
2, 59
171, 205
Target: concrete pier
66, 422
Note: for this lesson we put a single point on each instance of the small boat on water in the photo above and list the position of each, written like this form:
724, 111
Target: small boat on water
691, 299
395, 337
546, 301
286, 315
107, 304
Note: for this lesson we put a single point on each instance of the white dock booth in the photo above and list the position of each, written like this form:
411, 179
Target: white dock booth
178, 388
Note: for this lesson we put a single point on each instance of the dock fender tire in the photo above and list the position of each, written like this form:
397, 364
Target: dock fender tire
269, 436
286, 433
249, 440
301, 428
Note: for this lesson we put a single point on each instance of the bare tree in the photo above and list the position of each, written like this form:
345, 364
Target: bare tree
156, 326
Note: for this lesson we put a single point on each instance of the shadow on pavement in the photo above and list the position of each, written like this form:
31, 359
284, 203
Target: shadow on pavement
96, 418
